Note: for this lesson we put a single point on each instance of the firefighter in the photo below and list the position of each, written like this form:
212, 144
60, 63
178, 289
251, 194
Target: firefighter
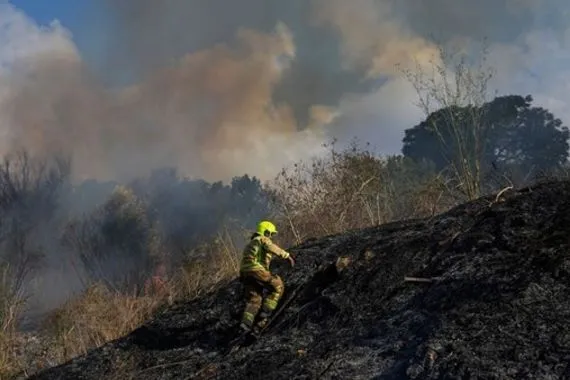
256, 277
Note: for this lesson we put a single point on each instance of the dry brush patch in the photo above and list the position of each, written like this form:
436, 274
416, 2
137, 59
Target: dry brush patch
103, 313
11, 307
207, 267
97, 316
353, 188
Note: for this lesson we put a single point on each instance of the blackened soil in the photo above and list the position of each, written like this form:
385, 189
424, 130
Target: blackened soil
498, 309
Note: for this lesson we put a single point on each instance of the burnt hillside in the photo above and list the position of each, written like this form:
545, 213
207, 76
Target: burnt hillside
497, 307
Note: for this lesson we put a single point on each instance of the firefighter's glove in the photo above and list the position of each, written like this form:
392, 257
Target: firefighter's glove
291, 260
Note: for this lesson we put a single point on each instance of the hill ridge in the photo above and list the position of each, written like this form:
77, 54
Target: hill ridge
497, 308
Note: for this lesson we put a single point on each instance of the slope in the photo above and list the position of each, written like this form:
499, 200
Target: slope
497, 307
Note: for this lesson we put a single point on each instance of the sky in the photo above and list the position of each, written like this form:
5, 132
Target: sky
219, 89
81, 17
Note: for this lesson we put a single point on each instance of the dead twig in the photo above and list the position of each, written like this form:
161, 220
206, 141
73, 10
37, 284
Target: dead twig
502, 192
421, 279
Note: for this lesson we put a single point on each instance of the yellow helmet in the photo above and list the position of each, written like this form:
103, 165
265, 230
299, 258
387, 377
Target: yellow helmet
264, 227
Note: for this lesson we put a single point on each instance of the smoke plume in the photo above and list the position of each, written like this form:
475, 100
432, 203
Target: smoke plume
219, 88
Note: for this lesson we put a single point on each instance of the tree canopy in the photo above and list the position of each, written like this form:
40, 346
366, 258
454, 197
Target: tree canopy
507, 132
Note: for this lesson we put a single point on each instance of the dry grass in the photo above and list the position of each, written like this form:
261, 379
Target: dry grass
101, 314
11, 305
217, 264
98, 316
9, 362
350, 189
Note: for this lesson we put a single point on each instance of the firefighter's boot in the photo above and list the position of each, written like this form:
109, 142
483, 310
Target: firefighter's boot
262, 322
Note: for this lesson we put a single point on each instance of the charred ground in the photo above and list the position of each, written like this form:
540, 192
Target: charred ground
498, 308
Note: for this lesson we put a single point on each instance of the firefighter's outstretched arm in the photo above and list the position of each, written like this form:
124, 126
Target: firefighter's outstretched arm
276, 250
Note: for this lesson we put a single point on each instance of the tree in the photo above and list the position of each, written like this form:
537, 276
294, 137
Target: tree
248, 199
118, 243
457, 88
534, 141
31, 189
518, 138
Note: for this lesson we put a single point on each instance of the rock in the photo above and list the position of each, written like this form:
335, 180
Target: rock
498, 308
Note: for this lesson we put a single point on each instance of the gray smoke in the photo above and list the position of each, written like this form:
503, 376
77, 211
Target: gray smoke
220, 88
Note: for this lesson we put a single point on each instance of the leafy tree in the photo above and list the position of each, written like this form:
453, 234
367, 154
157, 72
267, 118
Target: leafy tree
516, 138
